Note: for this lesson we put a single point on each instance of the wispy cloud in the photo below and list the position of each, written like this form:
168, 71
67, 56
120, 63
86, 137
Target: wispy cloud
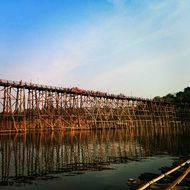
118, 3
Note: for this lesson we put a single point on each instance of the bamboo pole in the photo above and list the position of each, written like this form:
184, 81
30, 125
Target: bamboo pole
179, 179
163, 175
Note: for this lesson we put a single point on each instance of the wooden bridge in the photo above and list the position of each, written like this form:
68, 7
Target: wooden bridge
26, 105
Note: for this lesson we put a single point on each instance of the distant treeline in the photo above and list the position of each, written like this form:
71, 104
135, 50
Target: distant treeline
179, 97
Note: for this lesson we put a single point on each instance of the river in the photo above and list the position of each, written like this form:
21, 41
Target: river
102, 159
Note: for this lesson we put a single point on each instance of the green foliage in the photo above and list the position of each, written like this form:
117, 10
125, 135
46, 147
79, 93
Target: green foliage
157, 98
179, 97
169, 98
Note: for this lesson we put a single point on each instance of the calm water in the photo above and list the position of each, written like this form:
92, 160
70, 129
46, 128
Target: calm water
88, 159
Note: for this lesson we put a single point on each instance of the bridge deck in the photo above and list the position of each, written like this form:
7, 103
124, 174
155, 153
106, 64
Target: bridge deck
74, 90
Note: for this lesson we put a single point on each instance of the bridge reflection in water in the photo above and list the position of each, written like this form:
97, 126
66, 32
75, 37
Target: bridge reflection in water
25, 157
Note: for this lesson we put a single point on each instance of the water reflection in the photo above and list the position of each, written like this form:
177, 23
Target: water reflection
35, 155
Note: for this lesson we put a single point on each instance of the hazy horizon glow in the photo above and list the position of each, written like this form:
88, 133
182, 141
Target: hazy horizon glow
139, 48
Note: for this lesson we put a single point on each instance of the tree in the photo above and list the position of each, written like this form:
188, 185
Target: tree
179, 97
169, 98
157, 98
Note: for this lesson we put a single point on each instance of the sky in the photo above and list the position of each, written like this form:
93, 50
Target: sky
139, 48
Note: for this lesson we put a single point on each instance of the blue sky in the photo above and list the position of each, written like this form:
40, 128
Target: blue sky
136, 47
